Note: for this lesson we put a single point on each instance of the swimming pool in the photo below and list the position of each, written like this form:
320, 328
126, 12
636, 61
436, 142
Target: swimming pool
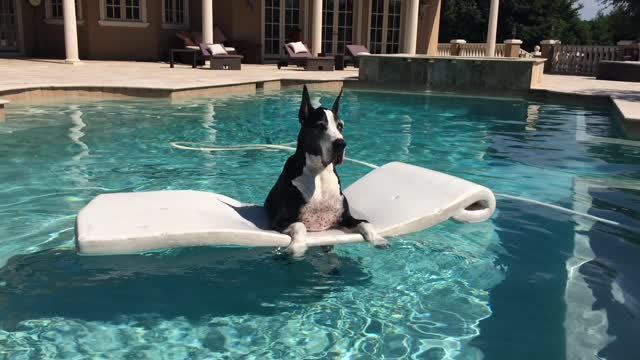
533, 281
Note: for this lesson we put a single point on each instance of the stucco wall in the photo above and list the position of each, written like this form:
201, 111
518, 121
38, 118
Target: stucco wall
104, 42
241, 23
47, 40
124, 43
222, 15
247, 23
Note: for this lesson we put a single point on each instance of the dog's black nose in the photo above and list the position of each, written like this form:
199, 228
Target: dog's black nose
339, 145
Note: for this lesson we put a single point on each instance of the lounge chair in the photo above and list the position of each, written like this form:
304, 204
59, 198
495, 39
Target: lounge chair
193, 38
251, 51
303, 57
221, 60
355, 51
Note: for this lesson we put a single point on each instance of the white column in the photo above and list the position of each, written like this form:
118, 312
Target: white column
70, 31
207, 21
316, 28
411, 27
490, 49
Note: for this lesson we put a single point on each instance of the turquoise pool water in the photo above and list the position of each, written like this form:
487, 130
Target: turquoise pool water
532, 283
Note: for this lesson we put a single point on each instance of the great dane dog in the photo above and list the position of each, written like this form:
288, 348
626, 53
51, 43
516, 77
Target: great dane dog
308, 195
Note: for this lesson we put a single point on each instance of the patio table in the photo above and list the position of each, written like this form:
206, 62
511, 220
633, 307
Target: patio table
193, 52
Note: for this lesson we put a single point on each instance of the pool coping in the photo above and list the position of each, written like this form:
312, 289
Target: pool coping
2, 104
626, 110
458, 58
30, 93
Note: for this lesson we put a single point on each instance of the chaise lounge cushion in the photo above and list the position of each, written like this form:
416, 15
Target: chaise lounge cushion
217, 49
194, 38
356, 50
297, 56
298, 47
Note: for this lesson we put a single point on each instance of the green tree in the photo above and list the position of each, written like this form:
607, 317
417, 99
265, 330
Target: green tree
528, 20
619, 24
630, 7
462, 19
601, 30
624, 22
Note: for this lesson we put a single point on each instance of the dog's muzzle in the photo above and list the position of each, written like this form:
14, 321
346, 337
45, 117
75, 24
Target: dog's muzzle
338, 147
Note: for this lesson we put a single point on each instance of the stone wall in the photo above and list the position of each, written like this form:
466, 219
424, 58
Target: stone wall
618, 71
449, 73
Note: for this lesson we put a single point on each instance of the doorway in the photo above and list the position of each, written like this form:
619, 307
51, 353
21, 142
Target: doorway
282, 24
9, 35
384, 28
337, 25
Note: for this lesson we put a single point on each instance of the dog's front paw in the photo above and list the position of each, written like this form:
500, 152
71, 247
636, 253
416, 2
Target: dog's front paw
370, 234
297, 249
380, 242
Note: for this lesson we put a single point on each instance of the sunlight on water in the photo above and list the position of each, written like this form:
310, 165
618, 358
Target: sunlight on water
430, 296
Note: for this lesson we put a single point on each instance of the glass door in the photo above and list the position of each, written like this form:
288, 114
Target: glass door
8, 26
282, 24
272, 28
384, 29
393, 27
337, 25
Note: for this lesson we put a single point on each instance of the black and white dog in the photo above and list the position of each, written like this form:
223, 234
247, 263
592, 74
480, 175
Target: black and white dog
307, 195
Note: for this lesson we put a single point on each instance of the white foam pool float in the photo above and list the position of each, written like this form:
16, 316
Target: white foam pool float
396, 198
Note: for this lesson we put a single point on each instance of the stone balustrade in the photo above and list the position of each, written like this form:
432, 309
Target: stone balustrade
458, 47
584, 59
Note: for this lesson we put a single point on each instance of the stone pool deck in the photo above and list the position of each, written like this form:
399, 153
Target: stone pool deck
33, 80
625, 95
36, 79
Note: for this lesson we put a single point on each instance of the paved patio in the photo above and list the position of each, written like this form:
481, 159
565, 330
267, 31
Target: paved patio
21, 74
39, 73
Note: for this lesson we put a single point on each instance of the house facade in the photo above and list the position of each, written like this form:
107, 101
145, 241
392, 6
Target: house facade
146, 30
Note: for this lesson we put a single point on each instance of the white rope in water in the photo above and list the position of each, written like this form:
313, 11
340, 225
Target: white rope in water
560, 208
362, 163
183, 145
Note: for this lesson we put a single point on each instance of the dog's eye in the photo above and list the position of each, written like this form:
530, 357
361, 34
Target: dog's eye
340, 126
320, 126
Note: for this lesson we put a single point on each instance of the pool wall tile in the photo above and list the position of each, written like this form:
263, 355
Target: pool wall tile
449, 73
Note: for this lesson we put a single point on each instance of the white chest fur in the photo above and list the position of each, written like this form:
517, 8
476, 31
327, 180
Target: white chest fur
321, 191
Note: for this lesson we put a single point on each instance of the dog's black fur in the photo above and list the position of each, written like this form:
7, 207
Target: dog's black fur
284, 202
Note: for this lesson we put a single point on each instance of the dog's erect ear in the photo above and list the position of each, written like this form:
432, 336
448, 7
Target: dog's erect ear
336, 103
305, 107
